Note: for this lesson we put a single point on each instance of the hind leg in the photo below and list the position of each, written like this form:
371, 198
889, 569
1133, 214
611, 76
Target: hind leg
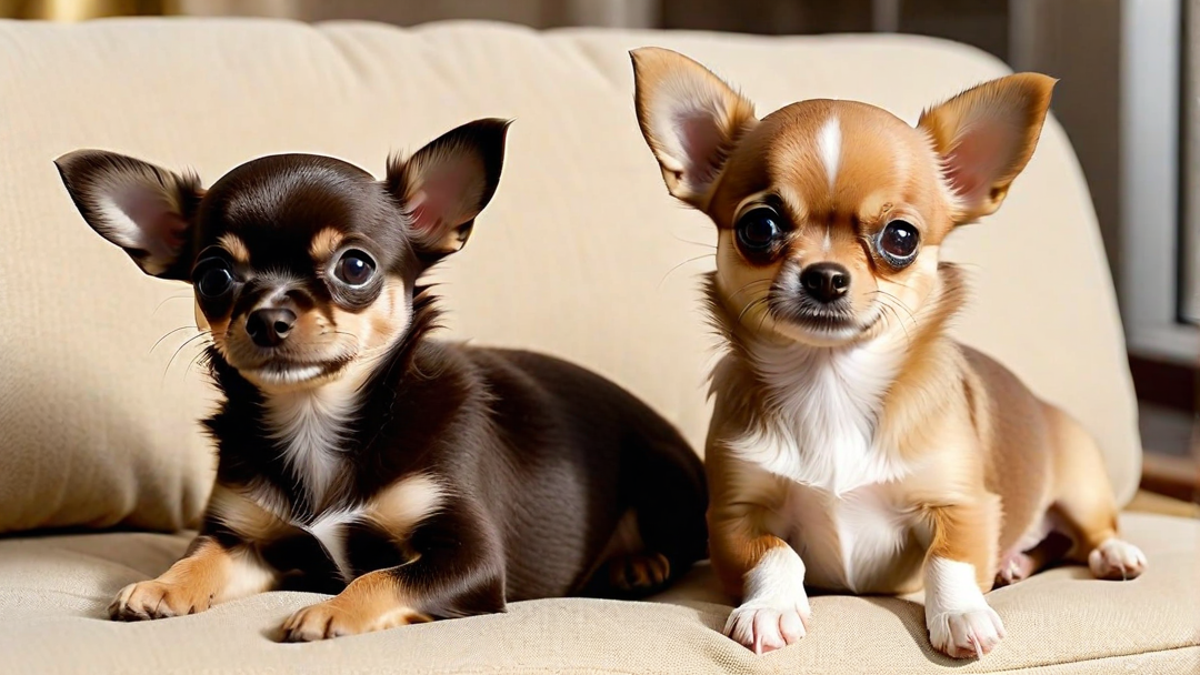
638, 573
670, 498
1019, 565
1087, 506
664, 531
627, 569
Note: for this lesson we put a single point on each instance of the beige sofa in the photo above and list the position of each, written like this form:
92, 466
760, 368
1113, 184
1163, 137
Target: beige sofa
581, 254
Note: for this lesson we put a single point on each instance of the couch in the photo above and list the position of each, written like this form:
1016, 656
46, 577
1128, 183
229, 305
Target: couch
581, 254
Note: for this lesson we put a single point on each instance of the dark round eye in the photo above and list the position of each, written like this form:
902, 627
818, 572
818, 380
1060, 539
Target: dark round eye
758, 230
214, 282
898, 242
354, 268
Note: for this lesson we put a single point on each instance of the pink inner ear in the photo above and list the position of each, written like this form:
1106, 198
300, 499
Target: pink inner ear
701, 140
438, 201
162, 228
982, 156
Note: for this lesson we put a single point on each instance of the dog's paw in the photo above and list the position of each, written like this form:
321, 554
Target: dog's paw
966, 634
765, 625
332, 619
639, 572
156, 600
1013, 567
1116, 559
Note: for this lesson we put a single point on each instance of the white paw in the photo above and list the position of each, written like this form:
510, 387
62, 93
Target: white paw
1116, 559
775, 612
965, 634
764, 626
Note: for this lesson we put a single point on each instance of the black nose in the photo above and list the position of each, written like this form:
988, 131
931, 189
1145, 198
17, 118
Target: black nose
825, 281
269, 327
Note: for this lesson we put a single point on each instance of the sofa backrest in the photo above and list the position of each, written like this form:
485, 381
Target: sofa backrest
581, 253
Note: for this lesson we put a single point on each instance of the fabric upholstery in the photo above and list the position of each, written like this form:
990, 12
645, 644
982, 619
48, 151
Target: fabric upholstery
581, 254
577, 256
53, 591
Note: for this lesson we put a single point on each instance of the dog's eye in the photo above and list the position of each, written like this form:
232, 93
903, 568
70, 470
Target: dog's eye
354, 268
214, 282
758, 230
898, 242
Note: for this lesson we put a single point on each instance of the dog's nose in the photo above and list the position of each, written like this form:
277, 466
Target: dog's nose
270, 327
825, 281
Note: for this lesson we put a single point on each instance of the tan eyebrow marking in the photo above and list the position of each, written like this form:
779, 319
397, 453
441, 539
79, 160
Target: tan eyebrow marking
324, 243
236, 247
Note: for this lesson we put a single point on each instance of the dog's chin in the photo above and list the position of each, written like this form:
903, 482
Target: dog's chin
280, 374
819, 329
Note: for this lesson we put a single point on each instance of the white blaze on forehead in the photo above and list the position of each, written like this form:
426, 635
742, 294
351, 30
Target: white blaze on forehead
829, 146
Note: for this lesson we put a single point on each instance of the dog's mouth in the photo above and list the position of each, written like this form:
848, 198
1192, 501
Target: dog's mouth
813, 317
835, 322
288, 372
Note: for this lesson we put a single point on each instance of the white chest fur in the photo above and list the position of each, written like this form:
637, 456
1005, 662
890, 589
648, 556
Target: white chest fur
823, 407
309, 427
857, 542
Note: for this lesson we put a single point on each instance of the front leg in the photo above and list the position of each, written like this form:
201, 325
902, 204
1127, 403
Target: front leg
774, 612
754, 564
455, 568
958, 571
209, 573
765, 573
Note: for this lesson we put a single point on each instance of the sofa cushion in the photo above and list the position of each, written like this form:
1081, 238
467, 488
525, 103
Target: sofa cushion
575, 256
54, 590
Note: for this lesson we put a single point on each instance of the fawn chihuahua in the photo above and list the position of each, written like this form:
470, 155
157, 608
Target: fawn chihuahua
854, 445
417, 479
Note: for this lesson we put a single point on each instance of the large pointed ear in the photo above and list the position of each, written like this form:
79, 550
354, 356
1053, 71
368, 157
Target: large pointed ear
985, 136
140, 207
446, 184
690, 118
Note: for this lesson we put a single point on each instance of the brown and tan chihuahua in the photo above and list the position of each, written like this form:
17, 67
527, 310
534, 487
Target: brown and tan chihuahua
417, 479
854, 445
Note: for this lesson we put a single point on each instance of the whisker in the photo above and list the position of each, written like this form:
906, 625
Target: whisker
762, 319
743, 288
195, 359
751, 305
170, 333
912, 317
689, 260
695, 243
172, 297
888, 308
198, 336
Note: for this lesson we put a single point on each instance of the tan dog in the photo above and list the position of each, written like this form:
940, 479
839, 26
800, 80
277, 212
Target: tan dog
854, 445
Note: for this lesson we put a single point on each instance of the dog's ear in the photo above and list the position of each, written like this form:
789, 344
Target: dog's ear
446, 184
690, 118
985, 136
140, 207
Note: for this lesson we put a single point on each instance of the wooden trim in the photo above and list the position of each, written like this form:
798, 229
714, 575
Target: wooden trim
1149, 502
1176, 477
1165, 383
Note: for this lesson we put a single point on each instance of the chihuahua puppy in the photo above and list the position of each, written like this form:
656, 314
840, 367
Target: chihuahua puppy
854, 445
422, 480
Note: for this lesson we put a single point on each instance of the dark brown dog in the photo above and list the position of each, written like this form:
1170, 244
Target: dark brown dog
420, 479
